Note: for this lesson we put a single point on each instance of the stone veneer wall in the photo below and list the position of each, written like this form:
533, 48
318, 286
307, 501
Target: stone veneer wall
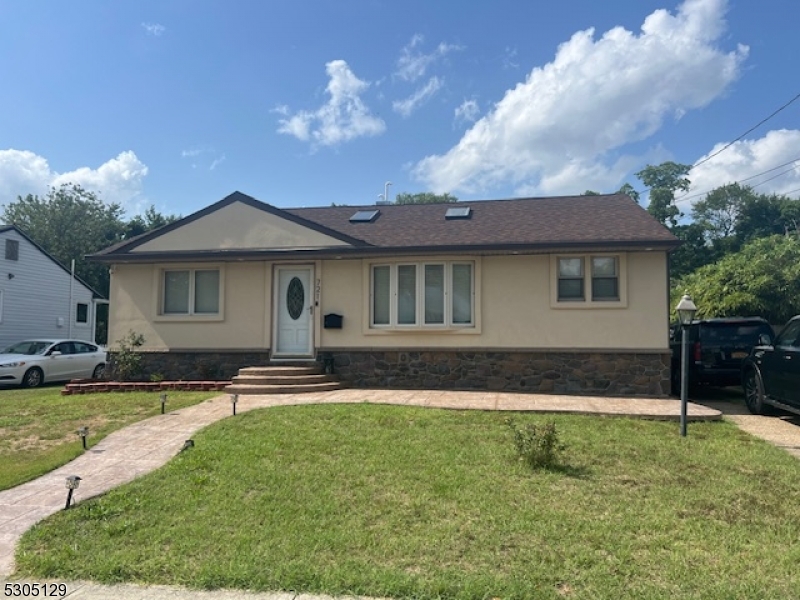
199, 365
592, 373
553, 372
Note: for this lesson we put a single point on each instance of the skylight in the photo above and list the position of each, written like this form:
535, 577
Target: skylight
458, 212
365, 216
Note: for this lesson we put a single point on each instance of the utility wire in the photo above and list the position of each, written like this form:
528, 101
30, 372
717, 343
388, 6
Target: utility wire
754, 127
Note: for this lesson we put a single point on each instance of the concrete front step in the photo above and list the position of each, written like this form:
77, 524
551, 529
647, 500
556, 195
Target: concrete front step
247, 378
250, 389
282, 370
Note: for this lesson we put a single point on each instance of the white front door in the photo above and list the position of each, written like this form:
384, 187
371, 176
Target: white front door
294, 306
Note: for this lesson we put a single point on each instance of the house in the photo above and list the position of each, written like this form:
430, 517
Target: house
564, 295
39, 297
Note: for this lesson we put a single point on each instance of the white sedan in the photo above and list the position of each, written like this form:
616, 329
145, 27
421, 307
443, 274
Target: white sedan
34, 362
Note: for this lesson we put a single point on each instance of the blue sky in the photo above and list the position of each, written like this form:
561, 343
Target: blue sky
177, 103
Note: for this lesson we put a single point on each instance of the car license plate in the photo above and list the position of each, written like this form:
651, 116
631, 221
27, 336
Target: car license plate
738, 354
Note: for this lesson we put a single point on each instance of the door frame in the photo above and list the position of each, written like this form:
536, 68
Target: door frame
277, 303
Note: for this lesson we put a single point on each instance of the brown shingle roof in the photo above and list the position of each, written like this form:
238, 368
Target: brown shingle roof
525, 224
527, 221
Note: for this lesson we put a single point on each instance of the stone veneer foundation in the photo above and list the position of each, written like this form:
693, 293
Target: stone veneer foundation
548, 372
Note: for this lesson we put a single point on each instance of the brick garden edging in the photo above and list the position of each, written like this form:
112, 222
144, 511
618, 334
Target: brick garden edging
93, 386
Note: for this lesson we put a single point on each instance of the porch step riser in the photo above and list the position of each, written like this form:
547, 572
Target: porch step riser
281, 380
281, 371
282, 389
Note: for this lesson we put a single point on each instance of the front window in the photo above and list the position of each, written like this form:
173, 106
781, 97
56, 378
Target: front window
436, 294
191, 292
82, 313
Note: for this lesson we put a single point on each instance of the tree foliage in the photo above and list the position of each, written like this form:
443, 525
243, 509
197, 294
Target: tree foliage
762, 279
664, 180
70, 222
424, 198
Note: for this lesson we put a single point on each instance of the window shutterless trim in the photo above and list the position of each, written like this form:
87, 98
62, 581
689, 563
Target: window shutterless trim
159, 291
590, 300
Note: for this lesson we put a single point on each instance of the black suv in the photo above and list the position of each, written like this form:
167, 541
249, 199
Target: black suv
771, 374
717, 348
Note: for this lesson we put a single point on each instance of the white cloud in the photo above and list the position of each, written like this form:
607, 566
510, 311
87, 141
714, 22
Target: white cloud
747, 158
154, 29
468, 112
118, 180
552, 133
418, 98
342, 118
217, 162
413, 64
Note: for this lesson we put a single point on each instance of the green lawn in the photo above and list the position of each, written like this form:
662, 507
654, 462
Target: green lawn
423, 503
38, 426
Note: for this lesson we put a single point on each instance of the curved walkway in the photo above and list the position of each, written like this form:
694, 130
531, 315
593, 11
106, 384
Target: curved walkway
145, 446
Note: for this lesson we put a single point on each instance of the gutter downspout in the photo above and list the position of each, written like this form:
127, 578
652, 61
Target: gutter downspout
71, 283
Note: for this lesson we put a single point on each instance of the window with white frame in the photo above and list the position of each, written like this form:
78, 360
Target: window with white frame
190, 292
426, 294
588, 279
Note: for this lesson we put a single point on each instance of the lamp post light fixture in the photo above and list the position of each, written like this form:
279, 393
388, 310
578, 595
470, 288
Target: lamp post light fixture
73, 481
163, 402
686, 311
84, 433
234, 400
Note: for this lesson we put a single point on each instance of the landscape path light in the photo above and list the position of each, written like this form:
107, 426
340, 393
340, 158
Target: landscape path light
234, 400
73, 481
163, 402
84, 433
686, 310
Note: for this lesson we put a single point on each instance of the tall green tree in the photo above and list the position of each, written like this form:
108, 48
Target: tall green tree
424, 198
151, 219
762, 279
70, 222
663, 181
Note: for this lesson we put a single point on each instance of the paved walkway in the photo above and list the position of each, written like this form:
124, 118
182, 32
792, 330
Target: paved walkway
144, 446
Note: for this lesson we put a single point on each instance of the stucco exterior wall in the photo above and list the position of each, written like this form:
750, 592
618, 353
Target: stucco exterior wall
245, 322
514, 309
239, 226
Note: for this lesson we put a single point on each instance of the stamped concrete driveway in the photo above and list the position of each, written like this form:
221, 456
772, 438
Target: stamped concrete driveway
779, 428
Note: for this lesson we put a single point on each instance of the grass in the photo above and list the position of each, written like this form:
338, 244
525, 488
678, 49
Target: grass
422, 503
38, 426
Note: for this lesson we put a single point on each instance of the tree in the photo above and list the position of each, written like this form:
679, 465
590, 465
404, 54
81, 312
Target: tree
694, 253
70, 222
718, 212
629, 190
424, 198
151, 219
664, 180
762, 279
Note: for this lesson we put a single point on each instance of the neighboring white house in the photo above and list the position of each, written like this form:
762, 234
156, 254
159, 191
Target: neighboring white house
38, 295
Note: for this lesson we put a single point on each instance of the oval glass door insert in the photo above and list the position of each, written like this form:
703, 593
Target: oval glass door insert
295, 298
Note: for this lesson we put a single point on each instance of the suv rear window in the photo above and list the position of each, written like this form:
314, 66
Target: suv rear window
730, 333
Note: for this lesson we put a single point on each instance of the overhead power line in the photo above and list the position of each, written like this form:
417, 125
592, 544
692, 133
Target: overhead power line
753, 128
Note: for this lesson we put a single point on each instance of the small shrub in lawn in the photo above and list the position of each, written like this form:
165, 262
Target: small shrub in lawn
537, 445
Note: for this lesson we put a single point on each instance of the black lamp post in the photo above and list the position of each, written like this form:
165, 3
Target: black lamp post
83, 432
234, 400
163, 402
73, 481
686, 311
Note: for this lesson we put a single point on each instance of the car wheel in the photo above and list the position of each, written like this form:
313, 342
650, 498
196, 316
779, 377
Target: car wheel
99, 372
754, 392
33, 378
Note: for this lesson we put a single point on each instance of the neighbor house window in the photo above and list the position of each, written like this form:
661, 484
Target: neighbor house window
12, 250
82, 313
191, 292
435, 294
